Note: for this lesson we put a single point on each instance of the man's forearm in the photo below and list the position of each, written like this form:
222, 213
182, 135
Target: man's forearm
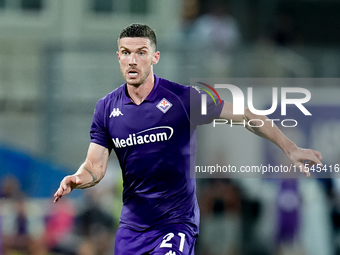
269, 131
89, 177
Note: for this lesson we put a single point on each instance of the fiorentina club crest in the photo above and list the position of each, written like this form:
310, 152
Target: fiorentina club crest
164, 105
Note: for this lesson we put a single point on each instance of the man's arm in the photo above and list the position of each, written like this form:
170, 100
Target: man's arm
271, 132
88, 174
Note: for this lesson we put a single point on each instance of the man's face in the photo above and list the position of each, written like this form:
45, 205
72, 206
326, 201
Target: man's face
136, 56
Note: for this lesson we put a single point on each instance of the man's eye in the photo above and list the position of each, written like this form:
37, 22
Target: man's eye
125, 53
142, 53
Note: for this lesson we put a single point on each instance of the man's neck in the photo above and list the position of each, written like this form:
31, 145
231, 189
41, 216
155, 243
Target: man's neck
139, 93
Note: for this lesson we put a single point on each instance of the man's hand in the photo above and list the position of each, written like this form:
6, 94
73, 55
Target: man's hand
69, 183
304, 159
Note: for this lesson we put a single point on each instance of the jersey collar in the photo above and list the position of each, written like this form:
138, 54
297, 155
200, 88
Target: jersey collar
151, 97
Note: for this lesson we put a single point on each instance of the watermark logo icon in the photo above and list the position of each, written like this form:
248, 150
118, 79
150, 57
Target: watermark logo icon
204, 97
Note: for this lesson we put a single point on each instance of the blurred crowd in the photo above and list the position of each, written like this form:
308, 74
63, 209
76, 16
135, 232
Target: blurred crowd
82, 226
214, 29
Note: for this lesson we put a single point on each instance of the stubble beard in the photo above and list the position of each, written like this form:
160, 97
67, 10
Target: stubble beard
136, 83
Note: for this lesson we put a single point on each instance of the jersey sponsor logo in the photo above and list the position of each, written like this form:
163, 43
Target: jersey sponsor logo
164, 105
151, 135
170, 253
115, 113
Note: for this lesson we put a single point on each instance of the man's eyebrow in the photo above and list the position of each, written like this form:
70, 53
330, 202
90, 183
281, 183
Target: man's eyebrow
144, 47
141, 48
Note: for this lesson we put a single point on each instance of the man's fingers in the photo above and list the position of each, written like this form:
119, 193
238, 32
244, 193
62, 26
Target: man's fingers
314, 158
65, 187
60, 191
317, 154
65, 183
305, 170
304, 159
56, 199
58, 194
309, 164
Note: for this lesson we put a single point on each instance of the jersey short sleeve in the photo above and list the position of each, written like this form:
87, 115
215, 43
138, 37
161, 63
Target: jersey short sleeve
213, 107
98, 133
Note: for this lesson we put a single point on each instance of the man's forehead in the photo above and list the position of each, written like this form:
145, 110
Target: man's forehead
139, 42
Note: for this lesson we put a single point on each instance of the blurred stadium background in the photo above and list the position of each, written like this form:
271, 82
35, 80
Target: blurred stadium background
57, 58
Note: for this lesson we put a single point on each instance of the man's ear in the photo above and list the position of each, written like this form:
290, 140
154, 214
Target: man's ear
117, 52
155, 58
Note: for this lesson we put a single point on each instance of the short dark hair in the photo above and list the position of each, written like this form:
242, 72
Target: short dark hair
139, 30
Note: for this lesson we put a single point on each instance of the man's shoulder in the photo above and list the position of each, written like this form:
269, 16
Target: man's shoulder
174, 87
104, 103
183, 92
115, 94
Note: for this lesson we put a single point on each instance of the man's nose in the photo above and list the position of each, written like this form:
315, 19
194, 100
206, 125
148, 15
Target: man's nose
132, 60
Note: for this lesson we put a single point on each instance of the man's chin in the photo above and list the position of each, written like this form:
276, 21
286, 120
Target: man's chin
133, 82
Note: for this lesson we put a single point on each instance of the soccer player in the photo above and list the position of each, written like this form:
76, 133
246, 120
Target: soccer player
148, 123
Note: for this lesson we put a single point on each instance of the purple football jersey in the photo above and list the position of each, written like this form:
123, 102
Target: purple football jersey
155, 143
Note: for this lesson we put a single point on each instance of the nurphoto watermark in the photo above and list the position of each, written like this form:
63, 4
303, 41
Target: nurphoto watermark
307, 110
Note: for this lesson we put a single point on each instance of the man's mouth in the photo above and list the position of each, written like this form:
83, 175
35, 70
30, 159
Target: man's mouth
132, 73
